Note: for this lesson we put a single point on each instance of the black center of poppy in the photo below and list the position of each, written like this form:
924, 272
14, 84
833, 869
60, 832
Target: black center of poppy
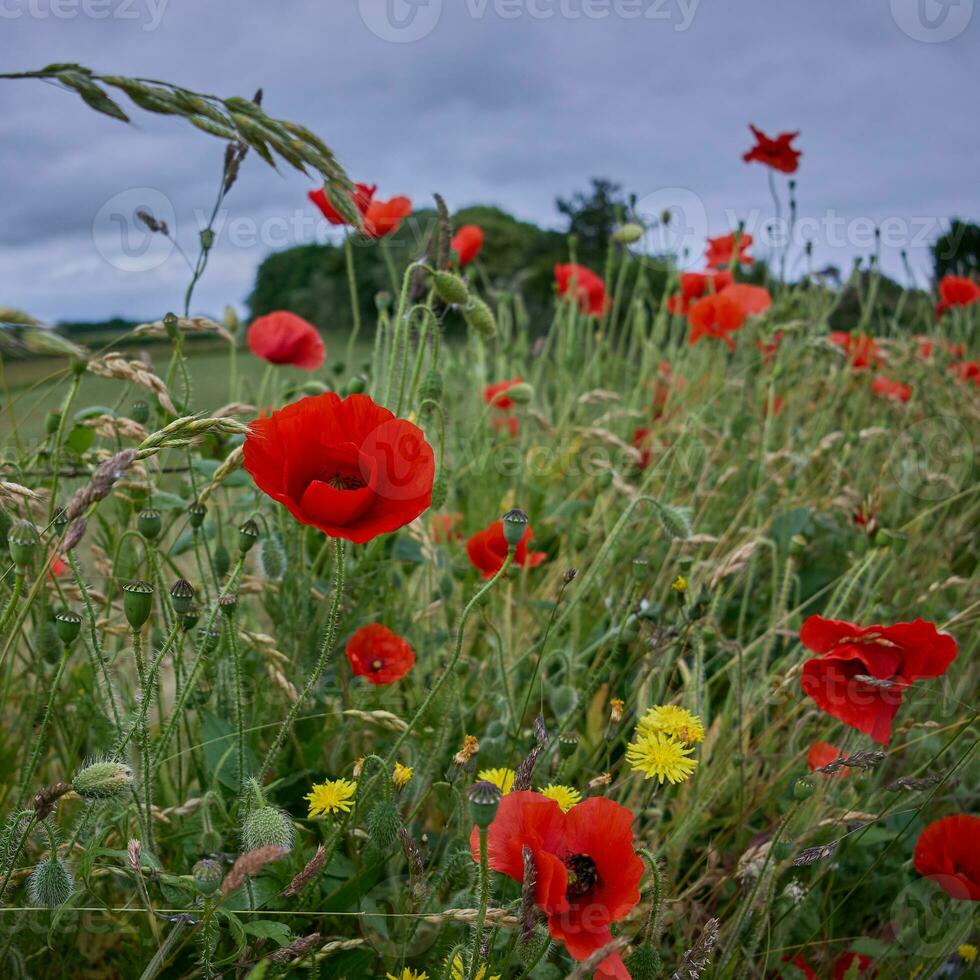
342, 481
582, 875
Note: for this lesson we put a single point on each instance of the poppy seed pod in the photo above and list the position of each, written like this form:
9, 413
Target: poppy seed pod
182, 595
355, 386
137, 603
23, 541
803, 788
149, 523
51, 422
515, 524
267, 825
628, 234
190, 619
222, 561
69, 625
567, 744
227, 603
79, 365
60, 519
171, 325
50, 884
103, 780
248, 535
209, 639
196, 514
140, 412
480, 317
450, 288
484, 800
207, 875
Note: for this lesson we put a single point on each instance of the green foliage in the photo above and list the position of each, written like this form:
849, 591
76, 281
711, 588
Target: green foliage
958, 251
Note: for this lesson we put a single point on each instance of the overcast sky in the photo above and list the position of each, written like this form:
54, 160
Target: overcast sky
507, 102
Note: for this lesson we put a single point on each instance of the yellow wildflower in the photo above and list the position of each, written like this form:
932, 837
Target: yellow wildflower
968, 952
459, 972
565, 796
401, 775
503, 779
407, 974
679, 584
661, 756
669, 719
333, 796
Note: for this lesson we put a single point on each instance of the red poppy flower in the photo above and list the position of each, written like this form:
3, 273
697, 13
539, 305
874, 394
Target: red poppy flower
966, 371
488, 549
843, 963
777, 153
285, 338
57, 567
770, 349
588, 873
844, 679
445, 527
494, 394
721, 250
948, 852
378, 655
584, 286
467, 243
384, 217
752, 299
956, 291
801, 964
344, 465
886, 388
715, 316
641, 440
694, 285
861, 350
823, 754
363, 193
927, 347
506, 423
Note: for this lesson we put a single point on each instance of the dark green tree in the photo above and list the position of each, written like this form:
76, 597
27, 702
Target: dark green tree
958, 251
592, 216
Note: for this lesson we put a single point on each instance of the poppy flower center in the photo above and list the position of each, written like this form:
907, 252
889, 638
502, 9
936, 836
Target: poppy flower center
582, 875
376, 665
345, 481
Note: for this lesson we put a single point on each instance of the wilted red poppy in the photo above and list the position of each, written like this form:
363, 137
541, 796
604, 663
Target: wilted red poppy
285, 338
467, 243
584, 285
363, 193
378, 655
777, 153
506, 423
861, 350
384, 217
588, 873
843, 963
445, 527
694, 285
861, 671
488, 549
494, 394
721, 250
968, 371
642, 438
886, 388
715, 316
948, 853
823, 754
344, 465
956, 291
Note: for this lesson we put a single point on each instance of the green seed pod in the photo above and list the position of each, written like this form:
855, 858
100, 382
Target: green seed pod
23, 541
182, 595
69, 625
431, 387
515, 526
484, 799
50, 884
79, 365
272, 558
628, 234
355, 386
797, 545
190, 618
567, 744
267, 825
171, 325
222, 561
383, 824
209, 639
140, 412
480, 317
196, 514
339, 367
228, 603
137, 603
450, 288
48, 641
106, 780
644, 963
60, 519
51, 422
149, 523
803, 788
207, 875
382, 300
248, 535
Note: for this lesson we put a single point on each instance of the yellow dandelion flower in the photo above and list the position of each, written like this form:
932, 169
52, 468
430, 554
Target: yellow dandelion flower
503, 779
333, 796
401, 775
968, 952
669, 719
679, 584
565, 796
459, 971
661, 756
616, 707
407, 974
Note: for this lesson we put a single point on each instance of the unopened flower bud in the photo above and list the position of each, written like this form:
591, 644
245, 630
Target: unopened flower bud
182, 595
431, 387
103, 780
628, 234
137, 603
248, 535
450, 288
149, 523
515, 526
23, 541
383, 824
51, 422
797, 545
231, 321
521, 393
354, 386
79, 365
50, 884
69, 625
207, 875
480, 317
267, 825
484, 799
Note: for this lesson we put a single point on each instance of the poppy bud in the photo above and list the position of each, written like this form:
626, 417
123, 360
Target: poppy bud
644, 963
450, 288
69, 625
209, 639
171, 325
149, 523
355, 386
60, 519
248, 534
797, 545
521, 393
103, 780
480, 317
383, 824
23, 541
803, 788
439, 491
222, 561
267, 825
51, 422
272, 557
231, 322
431, 387
140, 412
515, 526
207, 875
196, 514
137, 603
190, 619
339, 367
628, 234
50, 884
182, 595
79, 365
484, 799
227, 604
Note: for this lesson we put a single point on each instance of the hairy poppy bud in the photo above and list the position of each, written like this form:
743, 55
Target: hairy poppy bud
521, 393
231, 322
50, 884
431, 387
149, 523
355, 386
383, 825
515, 526
79, 365
69, 625
103, 780
644, 963
267, 825
140, 412
480, 317
182, 595
450, 288
439, 491
797, 545
248, 534
51, 422
137, 603
484, 799
222, 561
23, 541
628, 234
272, 557
196, 514
207, 875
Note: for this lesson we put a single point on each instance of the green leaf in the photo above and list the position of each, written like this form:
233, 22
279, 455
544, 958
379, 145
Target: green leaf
278, 932
80, 439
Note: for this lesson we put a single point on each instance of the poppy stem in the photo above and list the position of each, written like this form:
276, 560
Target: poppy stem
355, 307
481, 914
